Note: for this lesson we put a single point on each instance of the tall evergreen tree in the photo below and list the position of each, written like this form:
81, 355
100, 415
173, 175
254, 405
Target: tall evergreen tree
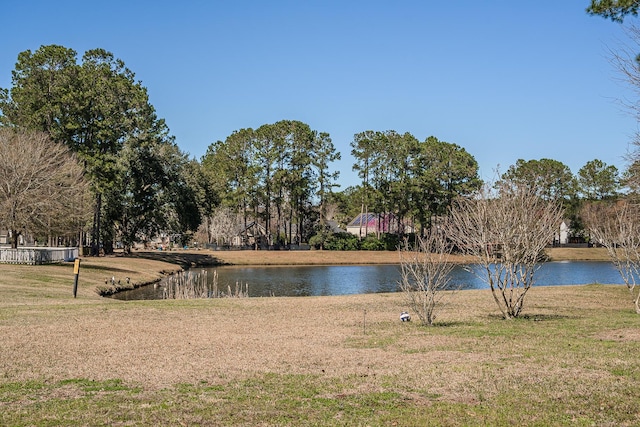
598, 181
324, 153
549, 179
616, 10
94, 107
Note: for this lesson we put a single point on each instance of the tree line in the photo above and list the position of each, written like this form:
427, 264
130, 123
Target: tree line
278, 177
78, 130
139, 179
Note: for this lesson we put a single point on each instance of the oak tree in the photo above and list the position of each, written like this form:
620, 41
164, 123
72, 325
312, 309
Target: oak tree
93, 106
42, 188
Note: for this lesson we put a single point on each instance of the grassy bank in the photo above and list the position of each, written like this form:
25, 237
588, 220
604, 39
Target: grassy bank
345, 360
373, 257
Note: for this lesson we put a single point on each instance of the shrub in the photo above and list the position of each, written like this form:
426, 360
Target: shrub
391, 241
386, 242
342, 242
372, 243
316, 241
426, 274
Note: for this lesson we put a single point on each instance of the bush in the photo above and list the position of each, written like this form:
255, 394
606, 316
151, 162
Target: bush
386, 242
372, 243
349, 242
391, 242
316, 241
342, 242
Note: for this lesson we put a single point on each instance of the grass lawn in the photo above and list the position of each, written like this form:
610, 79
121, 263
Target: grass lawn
572, 359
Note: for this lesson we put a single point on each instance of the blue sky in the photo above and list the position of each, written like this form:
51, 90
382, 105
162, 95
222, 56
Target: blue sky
504, 79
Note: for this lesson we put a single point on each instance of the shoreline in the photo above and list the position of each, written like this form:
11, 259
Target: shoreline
210, 258
173, 261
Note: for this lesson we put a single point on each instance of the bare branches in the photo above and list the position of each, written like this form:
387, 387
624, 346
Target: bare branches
506, 232
223, 226
42, 189
426, 274
626, 61
616, 226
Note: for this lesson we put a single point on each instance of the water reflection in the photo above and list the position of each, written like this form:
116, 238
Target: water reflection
361, 279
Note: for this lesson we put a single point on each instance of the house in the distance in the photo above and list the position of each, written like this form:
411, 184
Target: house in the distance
253, 235
372, 223
563, 235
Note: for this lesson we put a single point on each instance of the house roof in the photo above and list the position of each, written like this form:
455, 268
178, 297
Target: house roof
371, 220
364, 219
334, 227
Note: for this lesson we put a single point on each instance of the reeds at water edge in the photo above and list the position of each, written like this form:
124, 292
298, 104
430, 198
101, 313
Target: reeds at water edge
193, 284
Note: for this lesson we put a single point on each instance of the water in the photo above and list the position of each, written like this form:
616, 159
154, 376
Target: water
362, 279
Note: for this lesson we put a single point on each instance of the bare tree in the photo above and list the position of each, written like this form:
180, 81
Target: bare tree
627, 62
223, 225
42, 189
426, 274
505, 230
616, 226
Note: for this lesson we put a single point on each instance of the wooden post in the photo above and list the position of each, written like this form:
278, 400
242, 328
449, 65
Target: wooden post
364, 322
76, 272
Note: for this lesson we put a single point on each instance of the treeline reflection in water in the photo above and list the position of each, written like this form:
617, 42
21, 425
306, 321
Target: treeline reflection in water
361, 279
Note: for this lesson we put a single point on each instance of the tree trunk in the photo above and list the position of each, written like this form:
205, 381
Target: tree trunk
207, 223
15, 236
95, 234
290, 227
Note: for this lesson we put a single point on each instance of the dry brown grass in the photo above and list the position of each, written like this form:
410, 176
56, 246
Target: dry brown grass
306, 257
569, 345
578, 254
23, 284
160, 343
337, 257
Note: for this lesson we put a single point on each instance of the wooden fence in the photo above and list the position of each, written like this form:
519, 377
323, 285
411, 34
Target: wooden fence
37, 255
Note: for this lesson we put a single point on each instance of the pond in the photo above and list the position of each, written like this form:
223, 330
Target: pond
361, 279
